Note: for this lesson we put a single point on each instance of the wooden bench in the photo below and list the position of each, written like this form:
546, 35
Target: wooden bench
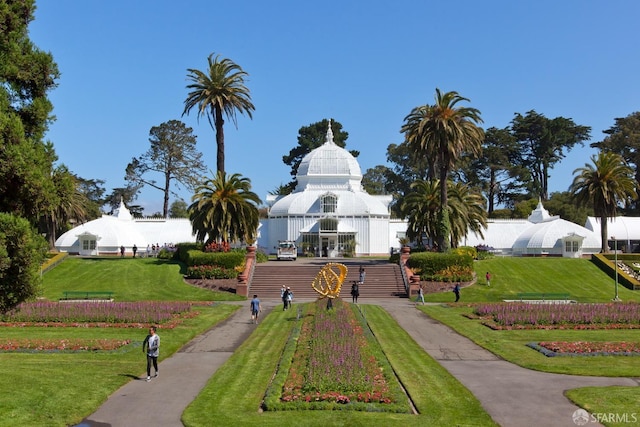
87, 295
543, 296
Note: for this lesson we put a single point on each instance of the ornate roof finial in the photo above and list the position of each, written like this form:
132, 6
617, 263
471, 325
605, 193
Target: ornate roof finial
329, 139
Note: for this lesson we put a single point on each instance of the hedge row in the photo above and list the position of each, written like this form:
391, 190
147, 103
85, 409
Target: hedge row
430, 263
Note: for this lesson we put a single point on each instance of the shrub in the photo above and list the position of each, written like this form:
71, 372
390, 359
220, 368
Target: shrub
229, 260
211, 272
432, 263
454, 273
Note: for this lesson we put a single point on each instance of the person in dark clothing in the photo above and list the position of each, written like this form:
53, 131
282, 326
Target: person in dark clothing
456, 291
134, 249
283, 296
355, 292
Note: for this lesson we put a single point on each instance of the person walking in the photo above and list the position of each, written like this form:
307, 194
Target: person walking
488, 278
289, 297
283, 297
355, 292
420, 295
121, 251
152, 345
456, 290
134, 249
362, 274
255, 309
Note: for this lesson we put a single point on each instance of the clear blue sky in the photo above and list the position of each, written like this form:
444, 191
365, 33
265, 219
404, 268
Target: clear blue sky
124, 64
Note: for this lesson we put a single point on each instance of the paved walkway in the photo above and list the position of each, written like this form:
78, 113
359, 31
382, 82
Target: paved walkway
513, 396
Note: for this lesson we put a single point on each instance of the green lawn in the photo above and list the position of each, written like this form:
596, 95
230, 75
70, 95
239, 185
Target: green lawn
60, 389
234, 394
50, 389
132, 279
578, 277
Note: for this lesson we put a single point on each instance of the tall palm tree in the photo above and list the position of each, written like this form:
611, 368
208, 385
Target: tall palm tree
606, 183
218, 92
224, 209
443, 132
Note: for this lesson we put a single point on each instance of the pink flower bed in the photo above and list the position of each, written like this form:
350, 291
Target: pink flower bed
560, 316
25, 344
86, 314
332, 363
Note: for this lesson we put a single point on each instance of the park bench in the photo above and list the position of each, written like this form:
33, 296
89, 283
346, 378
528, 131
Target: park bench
87, 295
543, 296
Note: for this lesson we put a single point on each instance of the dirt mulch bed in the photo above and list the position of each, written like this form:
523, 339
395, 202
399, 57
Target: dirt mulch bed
223, 285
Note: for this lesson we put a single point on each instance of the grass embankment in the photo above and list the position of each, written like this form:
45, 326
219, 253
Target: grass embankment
580, 278
131, 279
234, 394
586, 284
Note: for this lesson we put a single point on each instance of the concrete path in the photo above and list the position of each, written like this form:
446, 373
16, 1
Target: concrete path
161, 402
513, 396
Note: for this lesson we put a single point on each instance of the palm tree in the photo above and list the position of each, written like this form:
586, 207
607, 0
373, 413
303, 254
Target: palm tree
224, 209
468, 212
420, 206
422, 203
605, 183
442, 133
219, 92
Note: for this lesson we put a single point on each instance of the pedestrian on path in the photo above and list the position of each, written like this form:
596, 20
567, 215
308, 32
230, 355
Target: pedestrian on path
420, 295
456, 290
362, 274
283, 297
255, 309
289, 297
355, 292
152, 345
488, 278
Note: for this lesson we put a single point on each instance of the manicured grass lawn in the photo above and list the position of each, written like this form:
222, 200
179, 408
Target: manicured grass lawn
132, 279
60, 389
578, 277
234, 394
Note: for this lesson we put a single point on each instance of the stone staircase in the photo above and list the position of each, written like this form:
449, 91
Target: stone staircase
383, 280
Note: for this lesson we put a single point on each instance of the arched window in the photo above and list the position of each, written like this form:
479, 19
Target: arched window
329, 203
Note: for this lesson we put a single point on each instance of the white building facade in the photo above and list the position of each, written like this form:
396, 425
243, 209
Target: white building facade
329, 214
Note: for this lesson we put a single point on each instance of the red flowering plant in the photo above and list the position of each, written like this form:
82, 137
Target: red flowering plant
217, 247
70, 345
586, 348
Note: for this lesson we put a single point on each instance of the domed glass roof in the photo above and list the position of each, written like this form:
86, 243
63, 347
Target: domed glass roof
329, 160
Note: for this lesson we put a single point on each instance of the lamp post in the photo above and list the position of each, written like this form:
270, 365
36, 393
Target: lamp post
615, 264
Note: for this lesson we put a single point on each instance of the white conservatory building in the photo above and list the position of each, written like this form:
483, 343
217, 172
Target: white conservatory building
105, 235
539, 235
329, 213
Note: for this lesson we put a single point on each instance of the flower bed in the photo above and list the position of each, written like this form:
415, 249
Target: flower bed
586, 348
56, 345
333, 362
131, 314
559, 316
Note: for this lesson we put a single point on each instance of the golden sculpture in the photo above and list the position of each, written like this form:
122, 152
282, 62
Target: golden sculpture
329, 280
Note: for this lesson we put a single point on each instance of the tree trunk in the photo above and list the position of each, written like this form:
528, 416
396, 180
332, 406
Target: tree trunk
603, 235
219, 122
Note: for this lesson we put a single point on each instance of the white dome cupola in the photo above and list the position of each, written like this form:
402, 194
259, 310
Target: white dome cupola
329, 166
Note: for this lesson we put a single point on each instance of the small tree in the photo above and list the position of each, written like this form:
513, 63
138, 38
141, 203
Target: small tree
22, 252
